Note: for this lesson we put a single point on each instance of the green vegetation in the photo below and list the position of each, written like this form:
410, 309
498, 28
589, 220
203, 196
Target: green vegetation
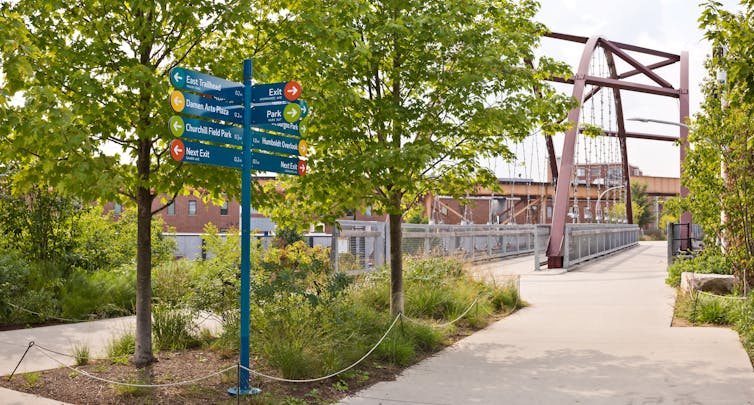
81, 354
309, 321
91, 273
707, 262
119, 349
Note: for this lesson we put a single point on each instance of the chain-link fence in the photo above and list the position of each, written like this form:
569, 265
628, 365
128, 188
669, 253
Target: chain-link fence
361, 245
588, 241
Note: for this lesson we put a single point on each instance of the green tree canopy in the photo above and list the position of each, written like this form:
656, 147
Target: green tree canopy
407, 97
84, 104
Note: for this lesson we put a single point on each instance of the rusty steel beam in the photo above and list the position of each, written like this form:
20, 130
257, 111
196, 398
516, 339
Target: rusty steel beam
623, 85
560, 208
628, 47
611, 48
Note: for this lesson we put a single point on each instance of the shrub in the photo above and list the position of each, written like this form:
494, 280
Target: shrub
102, 293
704, 263
173, 328
171, 280
14, 273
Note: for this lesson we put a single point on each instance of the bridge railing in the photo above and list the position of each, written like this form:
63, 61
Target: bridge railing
588, 241
365, 245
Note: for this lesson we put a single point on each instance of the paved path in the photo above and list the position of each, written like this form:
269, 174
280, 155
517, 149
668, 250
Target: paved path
596, 335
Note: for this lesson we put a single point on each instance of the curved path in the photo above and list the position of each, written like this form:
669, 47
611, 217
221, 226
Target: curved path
598, 335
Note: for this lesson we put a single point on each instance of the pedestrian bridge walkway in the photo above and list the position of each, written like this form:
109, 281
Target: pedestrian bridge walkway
598, 335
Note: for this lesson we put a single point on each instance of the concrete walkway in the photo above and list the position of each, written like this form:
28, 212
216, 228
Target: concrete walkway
598, 335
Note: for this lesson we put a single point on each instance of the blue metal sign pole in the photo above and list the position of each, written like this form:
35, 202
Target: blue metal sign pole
244, 388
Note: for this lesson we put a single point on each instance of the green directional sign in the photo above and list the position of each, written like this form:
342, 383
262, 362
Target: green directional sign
201, 130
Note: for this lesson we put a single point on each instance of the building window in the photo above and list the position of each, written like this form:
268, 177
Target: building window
117, 208
171, 209
581, 172
192, 207
224, 208
549, 211
596, 172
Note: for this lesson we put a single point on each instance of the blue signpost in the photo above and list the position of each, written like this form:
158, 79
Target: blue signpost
201, 130
275, 113
194, 104
203, 83
233, 102
275, 92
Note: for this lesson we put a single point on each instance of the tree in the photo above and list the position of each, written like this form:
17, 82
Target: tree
643, 216
408, 95
721, 164
92, 80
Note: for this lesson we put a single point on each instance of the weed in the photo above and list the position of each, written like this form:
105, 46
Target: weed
32, 379
121, 348
340, 385
81, 354
397, 348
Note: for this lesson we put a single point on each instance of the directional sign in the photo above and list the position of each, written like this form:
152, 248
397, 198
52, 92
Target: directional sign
194, 152
271, 163
192, 104
288, 128
201, 130
275, 113
274, 92
304, 108
279, 144
203, 83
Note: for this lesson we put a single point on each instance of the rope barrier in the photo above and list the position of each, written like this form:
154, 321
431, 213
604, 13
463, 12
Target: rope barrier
46, 316
729, 297
105, 380
446, 324
269, 377
45, 351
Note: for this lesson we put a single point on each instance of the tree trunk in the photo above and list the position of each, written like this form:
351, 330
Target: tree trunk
143, 354
396, 265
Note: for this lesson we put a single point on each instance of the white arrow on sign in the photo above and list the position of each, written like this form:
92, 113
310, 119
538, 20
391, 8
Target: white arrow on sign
293, 91
177, 126
177, 100
177, 149
292, 112
177, 76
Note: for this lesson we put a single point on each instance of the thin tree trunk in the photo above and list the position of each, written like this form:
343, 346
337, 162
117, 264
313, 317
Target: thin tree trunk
144, 197
396, 265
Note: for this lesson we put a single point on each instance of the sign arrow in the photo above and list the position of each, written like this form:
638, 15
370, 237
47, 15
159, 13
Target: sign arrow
177, 101
178, 76
177, 150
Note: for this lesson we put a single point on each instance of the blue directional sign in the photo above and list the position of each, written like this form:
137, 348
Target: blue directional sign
288, 128
275, 92
194, 152
275, 113
186, 79
193, 104
201, 130
279, 144
271, 163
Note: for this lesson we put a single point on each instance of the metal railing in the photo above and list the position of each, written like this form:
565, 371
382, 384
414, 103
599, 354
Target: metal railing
362, 245
587, 241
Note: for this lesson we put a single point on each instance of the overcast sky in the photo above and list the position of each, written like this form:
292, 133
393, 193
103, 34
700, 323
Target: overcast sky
667, 25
